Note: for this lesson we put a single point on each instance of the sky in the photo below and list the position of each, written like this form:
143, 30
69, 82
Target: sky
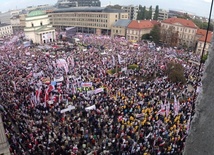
197, 7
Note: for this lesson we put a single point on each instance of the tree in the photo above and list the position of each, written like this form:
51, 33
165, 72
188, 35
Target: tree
155, 34
139, 14
114, 6
156, 13
146, 36
175, 72
203, 25
149, 13
204, 58
169, 36
144, 12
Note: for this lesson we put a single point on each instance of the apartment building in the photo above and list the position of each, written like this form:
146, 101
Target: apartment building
5, 29
119, 28
132, 11
200, 36
183, 31
137, 28
97, 20
78, 3
163, 14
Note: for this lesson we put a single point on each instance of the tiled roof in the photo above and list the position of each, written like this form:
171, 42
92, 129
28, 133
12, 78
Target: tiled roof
122, 22
202, 33
184, 22
141, 24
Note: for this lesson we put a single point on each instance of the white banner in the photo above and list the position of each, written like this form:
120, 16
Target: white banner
70, 107
59, 79
99, 90
90, 92
86, 84
90, 108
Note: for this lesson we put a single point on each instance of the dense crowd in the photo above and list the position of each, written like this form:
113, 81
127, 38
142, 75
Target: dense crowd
63, 100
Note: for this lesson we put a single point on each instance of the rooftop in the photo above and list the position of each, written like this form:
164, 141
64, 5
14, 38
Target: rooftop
202, 33
122, 22
35, 13
141, 24
4, 24
88, 9
184, 22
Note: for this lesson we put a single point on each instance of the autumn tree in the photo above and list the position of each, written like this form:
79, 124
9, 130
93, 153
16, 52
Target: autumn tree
175, 72
169, 36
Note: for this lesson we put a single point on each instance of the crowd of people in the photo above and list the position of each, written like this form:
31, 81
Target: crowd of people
68, 101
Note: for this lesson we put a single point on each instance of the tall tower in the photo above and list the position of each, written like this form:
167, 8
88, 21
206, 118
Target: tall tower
4, 145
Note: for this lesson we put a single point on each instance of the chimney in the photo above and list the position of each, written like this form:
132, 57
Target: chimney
138, 21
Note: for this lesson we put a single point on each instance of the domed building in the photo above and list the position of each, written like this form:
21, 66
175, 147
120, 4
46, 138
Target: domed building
38, 27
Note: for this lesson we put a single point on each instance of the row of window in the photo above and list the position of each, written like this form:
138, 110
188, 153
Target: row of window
99, 25
81, 15
5, 28
132, 37
117, 31
180, 29
5, 32
201, 45
81, 19
124, 16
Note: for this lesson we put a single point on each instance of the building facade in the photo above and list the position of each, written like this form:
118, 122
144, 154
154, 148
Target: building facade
163, 14
137, 28
5, 17
38, 27
95, 20
200, 36
119, 28
178, 32
132, 11
4, 145
78, 3
5, 29
18, 22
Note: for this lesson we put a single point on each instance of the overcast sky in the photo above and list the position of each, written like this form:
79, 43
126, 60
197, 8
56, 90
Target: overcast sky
198, 7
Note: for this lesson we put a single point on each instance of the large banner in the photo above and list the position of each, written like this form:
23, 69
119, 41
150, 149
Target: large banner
67, 109
93, 107
99, 90
86, 84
